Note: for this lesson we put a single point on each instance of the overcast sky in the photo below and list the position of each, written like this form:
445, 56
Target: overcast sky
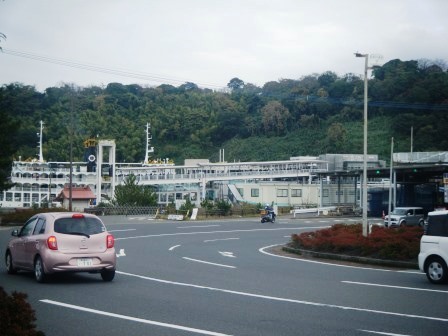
209, 42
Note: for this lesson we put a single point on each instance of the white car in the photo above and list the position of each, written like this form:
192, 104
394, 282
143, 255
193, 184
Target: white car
433, 256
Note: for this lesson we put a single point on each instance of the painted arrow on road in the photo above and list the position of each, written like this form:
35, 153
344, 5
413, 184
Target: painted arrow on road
227, 254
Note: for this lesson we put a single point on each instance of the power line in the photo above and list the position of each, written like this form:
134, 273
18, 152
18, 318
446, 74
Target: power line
96, 68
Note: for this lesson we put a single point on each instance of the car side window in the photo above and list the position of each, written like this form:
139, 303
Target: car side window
40, 227
438, 226
28, 228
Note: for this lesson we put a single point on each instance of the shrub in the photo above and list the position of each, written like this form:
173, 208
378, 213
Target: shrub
17, 316
394, 244
19, 217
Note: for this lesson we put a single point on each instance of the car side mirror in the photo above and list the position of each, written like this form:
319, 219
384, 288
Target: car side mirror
15, 233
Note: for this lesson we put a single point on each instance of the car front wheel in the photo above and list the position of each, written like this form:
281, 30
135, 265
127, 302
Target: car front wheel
39, 272
436, 270
9, 265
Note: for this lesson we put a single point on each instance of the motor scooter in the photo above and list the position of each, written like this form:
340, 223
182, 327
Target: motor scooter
268, 216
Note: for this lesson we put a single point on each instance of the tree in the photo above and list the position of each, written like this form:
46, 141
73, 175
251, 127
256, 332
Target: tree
132, 194
235, 84
336, 137
275, 117
8, 146
2, 37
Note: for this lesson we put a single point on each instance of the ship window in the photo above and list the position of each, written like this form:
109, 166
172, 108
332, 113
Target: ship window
282, 192
17, 197
9, 197
296, 193
255, 192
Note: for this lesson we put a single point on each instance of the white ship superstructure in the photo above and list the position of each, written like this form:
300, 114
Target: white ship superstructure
38, 182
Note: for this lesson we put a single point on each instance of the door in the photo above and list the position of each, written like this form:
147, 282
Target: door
18, 248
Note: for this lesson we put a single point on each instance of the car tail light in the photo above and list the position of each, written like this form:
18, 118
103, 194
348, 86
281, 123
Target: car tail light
78, 215
110, 241
52, 243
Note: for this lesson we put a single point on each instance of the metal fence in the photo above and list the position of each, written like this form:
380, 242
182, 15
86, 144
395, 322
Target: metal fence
124, 211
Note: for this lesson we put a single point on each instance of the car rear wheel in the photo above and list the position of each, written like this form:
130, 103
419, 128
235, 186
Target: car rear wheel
9, 265
403, 224
107, 275
436, 270
421, 223
39, 272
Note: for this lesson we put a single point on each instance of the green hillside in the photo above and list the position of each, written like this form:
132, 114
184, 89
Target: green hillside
316, 114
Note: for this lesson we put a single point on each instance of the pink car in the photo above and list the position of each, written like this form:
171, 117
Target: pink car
62, 242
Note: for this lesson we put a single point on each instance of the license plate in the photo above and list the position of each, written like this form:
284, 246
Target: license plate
83, 262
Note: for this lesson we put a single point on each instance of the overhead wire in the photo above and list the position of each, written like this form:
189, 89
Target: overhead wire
96, 68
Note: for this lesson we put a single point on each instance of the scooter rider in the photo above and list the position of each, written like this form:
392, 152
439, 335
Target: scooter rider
270, 211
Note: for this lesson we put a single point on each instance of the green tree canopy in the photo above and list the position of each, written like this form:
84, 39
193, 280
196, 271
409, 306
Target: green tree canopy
131, 194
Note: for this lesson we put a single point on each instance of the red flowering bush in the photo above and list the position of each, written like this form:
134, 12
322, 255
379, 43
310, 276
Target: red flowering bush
16, 315
393, 244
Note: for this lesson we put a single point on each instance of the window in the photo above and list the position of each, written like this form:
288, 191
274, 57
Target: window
282, 192
255, 192
241, 191
437, 226
28, 228
325, 193
80, 226
40, 227
296, 193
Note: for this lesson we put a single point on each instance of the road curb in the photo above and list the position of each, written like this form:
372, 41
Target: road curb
361, 260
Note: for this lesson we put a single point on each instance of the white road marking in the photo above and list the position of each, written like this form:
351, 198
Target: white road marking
122, 230
395, 287
206, 262
213, 240
227, 254
121, 253
382, 333
214, 232
263, 250
196, 226
173, 247
134, 319
273, 298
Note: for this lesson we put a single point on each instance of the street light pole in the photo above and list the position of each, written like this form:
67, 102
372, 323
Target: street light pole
364, 173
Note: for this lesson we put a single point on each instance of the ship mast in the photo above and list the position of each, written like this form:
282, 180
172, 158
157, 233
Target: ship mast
149, 150
41, 156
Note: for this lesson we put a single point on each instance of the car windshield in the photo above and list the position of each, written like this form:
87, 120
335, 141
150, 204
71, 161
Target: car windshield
79, 226
399, 212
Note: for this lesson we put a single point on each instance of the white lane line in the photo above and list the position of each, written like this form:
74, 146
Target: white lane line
263, 250
123, 230
279, 299
206, 262
395, 287
173, 247
134, 319
382, 333
214, 232
196, 226
213, 240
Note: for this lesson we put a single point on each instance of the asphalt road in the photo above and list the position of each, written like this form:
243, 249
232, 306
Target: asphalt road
221, 278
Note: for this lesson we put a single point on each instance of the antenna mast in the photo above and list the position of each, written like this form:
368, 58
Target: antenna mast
41, 156
149, 150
